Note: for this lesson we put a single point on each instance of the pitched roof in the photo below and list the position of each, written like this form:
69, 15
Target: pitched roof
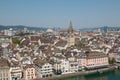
28, 66
61, 43
39, 62
4, 63
95, 54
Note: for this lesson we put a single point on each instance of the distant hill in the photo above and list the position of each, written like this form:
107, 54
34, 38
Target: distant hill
104, 28
21, 27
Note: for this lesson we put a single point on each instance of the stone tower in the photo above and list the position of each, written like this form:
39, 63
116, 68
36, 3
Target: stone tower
70, 38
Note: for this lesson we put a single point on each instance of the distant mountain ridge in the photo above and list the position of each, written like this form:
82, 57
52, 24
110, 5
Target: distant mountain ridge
21, 27
104, 28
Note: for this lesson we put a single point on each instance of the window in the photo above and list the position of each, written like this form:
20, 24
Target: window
28, 77
32, 72
31, 69
32, 77
28, 72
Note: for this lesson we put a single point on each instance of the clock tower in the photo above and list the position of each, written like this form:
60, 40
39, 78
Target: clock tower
70, 37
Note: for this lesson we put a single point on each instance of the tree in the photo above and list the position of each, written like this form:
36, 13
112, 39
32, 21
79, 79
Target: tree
22, 34
79, 45
111, 61
63, 50
16, 41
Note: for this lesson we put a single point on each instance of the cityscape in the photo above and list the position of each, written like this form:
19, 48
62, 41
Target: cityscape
66, 52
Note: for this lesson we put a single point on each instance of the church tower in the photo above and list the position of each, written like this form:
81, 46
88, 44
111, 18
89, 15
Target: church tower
70, 38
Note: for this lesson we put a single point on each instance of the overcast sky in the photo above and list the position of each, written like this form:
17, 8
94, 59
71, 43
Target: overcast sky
58, 13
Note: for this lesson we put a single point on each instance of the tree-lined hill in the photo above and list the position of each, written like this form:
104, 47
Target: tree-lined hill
21, 27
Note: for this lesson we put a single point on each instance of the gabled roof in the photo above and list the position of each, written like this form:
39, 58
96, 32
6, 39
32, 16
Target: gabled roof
28, 66
95, 54
39, 62
61, 43
4, 63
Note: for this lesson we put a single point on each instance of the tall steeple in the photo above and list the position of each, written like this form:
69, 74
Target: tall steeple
71, 38
70, 29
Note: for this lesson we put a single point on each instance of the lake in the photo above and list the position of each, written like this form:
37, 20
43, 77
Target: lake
110, 75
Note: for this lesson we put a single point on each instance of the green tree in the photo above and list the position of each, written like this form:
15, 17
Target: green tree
79, 45
16, 41
22, 34
111, 61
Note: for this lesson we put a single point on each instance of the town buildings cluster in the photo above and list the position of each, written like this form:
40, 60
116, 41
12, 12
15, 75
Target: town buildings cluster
45, 54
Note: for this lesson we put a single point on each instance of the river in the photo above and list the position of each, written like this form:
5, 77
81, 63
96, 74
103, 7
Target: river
110, 75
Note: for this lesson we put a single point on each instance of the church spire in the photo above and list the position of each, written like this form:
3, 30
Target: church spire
70, 29
71, 38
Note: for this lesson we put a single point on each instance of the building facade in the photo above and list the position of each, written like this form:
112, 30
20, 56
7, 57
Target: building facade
4, 70
44, 70
5, 73
29, 72
92, 60
118, 57
16, 73
65, 66
73, 66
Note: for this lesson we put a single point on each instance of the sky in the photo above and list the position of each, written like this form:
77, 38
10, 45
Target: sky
58, 13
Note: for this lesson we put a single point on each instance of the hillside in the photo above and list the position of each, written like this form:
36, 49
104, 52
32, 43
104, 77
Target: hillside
21, 27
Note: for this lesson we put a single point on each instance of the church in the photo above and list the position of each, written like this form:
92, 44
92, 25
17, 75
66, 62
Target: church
70, 36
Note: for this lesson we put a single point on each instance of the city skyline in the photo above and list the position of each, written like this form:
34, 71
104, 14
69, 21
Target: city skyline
53, 13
